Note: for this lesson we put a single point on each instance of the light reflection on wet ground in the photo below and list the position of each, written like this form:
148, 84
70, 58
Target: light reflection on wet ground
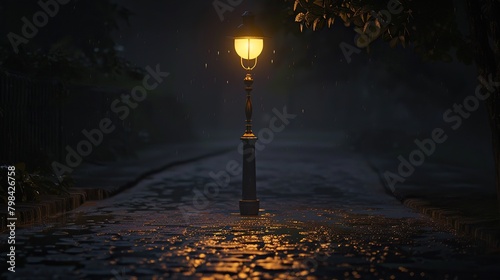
301, 234
358, 246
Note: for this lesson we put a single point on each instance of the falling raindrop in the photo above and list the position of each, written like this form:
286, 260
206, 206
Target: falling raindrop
206, 65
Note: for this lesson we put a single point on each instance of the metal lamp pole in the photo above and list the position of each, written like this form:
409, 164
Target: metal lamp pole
248, 44
249, 204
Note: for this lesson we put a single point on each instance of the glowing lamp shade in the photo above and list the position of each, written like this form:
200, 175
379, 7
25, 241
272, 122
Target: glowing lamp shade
248, 48
248, 41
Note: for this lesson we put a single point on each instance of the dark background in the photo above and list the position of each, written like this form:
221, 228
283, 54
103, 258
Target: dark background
381, 101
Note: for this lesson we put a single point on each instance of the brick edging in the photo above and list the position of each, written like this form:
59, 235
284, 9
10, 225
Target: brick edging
480, 230
51, 205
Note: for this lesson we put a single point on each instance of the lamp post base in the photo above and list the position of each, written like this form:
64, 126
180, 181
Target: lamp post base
249, 207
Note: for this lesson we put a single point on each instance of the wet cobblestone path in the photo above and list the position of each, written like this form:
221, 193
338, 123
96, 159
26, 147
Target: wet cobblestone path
323, 217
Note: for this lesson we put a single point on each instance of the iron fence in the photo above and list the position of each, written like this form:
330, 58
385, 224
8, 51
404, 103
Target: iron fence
30, 117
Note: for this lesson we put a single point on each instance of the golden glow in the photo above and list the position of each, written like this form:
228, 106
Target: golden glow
248, 48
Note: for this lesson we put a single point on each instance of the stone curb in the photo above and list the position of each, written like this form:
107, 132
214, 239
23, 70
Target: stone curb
53, 205
484, 231
49, 205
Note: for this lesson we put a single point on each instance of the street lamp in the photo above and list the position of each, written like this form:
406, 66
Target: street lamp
248, 44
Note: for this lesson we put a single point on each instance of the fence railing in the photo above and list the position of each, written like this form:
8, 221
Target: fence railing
40, 118
30, 118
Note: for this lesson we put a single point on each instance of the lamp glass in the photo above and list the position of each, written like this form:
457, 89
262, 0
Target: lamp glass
248, 48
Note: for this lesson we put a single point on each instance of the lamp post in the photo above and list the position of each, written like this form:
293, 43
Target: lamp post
248, 44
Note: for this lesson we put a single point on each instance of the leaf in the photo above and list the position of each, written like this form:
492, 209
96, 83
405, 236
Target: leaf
295, 5
315, 23
300, 17
343, 16
310, 18
366, 26
301, 27
318, 2
393, 42
402, 39
331, 21
368, 16
357, 21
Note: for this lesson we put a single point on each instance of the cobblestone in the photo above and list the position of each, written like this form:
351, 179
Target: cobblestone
322, 217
